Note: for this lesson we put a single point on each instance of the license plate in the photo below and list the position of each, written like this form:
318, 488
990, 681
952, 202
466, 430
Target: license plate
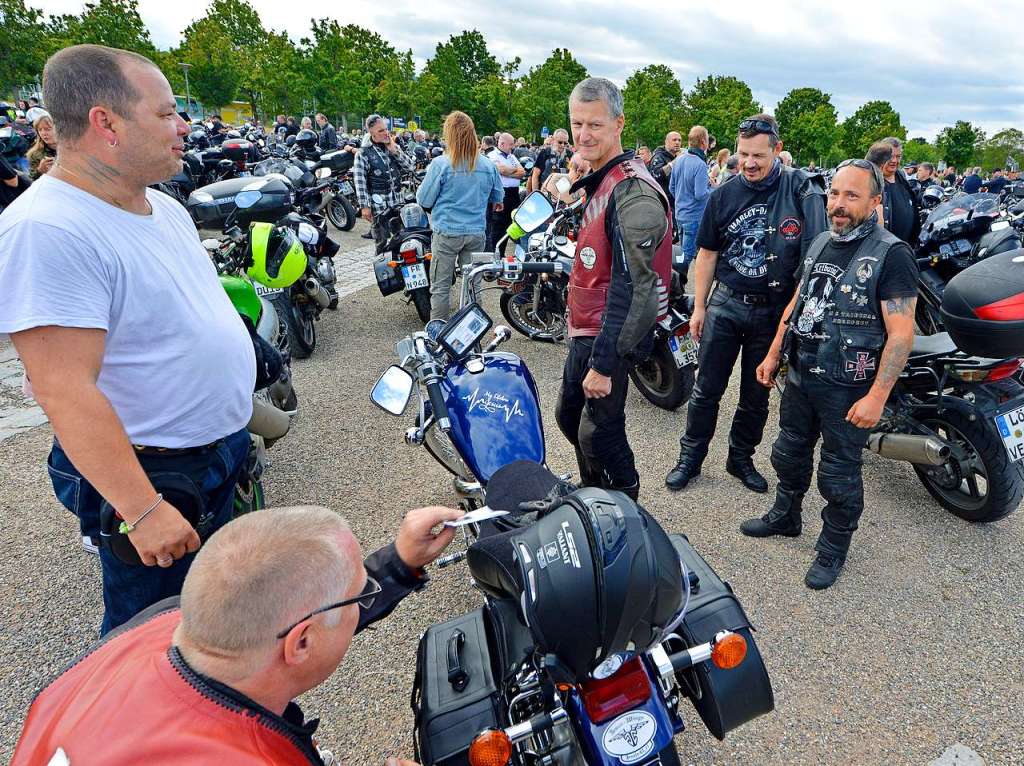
684, 349
415, 276
1011, 427
265, 292
346, 187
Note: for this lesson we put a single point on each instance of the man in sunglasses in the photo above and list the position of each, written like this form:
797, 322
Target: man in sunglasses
847, 332
267, 612
752, 236
551, 159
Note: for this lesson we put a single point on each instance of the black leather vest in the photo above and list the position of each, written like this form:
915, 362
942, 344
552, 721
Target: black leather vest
774, 251
383, 171
853, 331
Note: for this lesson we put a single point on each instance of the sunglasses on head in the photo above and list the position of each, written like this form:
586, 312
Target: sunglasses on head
759, 126
863, 165
365, 600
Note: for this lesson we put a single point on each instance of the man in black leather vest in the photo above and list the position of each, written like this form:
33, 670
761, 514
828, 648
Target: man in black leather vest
847, 331
752, 236
377, 175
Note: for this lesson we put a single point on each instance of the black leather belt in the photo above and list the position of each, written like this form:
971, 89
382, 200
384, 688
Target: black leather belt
144, 450
751, 299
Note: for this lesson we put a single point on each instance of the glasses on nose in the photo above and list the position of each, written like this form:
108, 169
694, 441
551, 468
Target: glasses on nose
365, 600
561, 143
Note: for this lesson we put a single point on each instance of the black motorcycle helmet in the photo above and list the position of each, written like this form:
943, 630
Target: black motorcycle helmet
437, 151
306, 139
421, 153
600, 580
931, 196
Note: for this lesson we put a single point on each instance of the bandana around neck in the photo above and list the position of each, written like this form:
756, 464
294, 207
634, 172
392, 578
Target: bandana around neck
765, 183
857, 232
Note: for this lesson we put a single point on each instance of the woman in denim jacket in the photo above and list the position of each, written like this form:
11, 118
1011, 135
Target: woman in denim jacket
458, 187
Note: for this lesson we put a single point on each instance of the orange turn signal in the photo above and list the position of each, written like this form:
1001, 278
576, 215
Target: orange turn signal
428, 256
490, 748
392, 264
729, 651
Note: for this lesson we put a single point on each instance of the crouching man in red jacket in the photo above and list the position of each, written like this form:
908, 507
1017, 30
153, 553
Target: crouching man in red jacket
266, 613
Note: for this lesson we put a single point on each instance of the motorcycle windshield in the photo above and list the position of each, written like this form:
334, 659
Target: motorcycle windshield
951, 214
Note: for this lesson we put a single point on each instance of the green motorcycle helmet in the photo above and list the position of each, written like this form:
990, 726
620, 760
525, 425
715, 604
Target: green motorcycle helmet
276, 255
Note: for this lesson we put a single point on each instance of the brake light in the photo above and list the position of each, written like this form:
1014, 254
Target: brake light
1001, 371
410, 255
623, 691
1006, 310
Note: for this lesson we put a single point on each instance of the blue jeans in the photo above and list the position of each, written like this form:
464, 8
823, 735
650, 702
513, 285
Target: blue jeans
129, 589
688, 241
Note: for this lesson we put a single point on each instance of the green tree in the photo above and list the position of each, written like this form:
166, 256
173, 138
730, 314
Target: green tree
652, 104
959, 143
345, 65
873, 121
719, 104
429, 99
395, 94
543, 97
807, 124
276, 80
917, 150
494, 99
459, 65
215, 75
115, 23
994, 152
23, 39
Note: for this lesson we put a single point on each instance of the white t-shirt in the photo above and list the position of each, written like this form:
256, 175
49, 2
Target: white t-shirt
510, 162
178, 366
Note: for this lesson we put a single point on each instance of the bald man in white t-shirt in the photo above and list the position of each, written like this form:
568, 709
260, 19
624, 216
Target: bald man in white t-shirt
131, 346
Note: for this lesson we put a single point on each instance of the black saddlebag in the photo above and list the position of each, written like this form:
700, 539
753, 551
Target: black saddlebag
454, 696
389, 279
983, 307
725, 699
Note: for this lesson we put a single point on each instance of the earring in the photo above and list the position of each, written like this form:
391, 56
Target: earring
112, 144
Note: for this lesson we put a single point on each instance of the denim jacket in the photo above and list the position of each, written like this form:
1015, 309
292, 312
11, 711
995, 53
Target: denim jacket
458, 199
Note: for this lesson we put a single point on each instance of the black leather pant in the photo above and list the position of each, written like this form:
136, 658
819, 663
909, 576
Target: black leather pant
732, 329
596, 427
812, 408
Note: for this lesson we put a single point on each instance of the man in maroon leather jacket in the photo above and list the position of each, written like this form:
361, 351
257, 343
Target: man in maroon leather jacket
266, 613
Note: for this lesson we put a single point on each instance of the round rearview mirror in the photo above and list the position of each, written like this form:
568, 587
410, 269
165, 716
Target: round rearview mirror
247, 199
533, 211
392, 391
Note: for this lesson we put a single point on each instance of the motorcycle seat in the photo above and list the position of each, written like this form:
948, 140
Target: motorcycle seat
493, 565
932, 345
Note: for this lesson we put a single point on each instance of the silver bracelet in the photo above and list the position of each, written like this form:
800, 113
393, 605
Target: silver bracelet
129, 526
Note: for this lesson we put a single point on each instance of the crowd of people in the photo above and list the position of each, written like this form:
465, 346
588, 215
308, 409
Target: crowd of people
258, 610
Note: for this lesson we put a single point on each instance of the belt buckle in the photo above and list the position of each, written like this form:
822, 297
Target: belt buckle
750, 300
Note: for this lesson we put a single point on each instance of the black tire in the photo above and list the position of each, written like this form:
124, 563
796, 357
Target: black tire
341, 214
517, 315
660, 381
300, 326
421, 300
988, 462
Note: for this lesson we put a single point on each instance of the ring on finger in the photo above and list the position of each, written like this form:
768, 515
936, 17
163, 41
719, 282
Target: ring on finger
165, 561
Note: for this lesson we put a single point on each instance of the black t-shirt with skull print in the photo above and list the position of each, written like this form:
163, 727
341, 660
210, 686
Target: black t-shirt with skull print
735, 225
898, 280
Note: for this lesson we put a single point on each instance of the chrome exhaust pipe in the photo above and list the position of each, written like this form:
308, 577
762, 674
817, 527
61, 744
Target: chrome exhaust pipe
923, 450
316, 291
268, 421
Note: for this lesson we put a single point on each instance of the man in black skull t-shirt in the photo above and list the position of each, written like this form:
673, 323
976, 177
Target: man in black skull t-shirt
551, 159
753, 234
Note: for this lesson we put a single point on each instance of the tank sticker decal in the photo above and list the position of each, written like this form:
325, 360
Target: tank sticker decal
630, 737
492, 402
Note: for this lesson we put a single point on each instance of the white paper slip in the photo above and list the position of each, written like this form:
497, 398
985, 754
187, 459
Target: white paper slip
475, 517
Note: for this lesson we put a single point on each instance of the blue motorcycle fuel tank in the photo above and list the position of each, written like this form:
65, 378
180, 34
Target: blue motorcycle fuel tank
495, 412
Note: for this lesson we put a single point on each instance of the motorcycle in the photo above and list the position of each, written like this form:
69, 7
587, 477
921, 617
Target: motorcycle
404, 262
957, 233
536, 307
275, 405
513, 681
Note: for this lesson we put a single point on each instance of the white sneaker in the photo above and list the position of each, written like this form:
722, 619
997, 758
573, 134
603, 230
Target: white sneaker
327, 757
89, 545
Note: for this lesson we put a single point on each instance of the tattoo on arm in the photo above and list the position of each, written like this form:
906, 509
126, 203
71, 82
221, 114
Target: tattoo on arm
900, 305
894, 359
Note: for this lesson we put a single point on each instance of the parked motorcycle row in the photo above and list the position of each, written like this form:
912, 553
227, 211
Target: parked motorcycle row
522, 679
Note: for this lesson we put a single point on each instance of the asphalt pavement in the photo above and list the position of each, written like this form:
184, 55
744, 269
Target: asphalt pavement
915, 650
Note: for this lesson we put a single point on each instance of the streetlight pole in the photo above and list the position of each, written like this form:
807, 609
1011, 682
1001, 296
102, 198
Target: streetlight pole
188, 95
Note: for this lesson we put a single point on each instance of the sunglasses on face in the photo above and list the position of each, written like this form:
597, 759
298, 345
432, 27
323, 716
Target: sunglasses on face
365, 600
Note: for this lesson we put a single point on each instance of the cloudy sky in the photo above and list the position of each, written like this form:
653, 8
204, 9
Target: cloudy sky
936, 61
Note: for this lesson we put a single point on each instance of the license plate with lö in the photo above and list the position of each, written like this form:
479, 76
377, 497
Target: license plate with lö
1011, 428
684, 349
415, 276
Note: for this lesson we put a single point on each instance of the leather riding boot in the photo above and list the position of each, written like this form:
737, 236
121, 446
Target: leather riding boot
687, 469
743, 469
782, 519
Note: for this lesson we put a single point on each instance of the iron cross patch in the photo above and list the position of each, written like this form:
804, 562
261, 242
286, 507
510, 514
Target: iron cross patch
865, 361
